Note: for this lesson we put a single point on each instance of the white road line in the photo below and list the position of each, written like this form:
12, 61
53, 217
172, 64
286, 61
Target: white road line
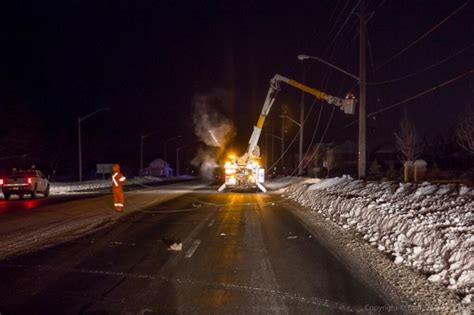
211, 223
193, 248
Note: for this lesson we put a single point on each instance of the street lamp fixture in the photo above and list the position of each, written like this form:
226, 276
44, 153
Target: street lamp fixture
291, 119
79, 120
305, 57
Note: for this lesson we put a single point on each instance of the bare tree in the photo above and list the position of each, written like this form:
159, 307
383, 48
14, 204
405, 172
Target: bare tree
465, 132
407, 140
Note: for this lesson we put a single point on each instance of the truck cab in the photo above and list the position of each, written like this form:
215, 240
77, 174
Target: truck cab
25, 182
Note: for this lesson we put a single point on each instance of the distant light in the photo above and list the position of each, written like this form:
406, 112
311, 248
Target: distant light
303, 57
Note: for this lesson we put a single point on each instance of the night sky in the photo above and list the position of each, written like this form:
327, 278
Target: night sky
146, 59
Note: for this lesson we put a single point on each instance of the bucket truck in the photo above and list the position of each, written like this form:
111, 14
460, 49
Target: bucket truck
245, 171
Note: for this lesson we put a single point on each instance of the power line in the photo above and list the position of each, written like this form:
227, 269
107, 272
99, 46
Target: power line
324, 83
317, 127
422, 93
319, 143
424, 35
424, 69
327, 75
346, 20
413, 97
334, 25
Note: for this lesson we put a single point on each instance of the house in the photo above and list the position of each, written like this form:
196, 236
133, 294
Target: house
158, 168
385, 155
342, 157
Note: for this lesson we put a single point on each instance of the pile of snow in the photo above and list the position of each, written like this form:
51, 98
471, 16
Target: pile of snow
281, 182
429, 227
92, 185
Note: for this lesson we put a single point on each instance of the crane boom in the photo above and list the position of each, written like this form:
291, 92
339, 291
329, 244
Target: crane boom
245, 171
345, 104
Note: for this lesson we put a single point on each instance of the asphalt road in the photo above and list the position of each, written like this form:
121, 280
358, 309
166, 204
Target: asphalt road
242, 253
15, 204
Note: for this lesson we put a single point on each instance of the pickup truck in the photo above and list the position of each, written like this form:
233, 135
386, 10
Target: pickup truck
25, 182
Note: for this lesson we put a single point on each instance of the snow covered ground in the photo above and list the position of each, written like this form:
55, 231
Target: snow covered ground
279, 183
92, 185
429, 227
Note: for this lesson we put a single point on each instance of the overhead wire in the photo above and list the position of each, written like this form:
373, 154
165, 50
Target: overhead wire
316, 129
424, 69
345, 21
423, 36
436, 87
314, 100
334, 26
422, 93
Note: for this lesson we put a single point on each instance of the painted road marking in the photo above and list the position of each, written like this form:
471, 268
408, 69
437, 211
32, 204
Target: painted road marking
211, 223
193, 248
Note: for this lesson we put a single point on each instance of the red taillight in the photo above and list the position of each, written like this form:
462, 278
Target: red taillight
1, 181
29, 180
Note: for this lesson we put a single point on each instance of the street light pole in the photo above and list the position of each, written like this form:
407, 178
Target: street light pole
300, 125
282, 143
292, 120
177, 158
304, 57
79, 120
172, 138
141, 149
279, 138
362, 90
80, 149
300, 149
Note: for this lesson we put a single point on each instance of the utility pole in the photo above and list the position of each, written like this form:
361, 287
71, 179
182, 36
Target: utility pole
362, 95
141, 156
282, 144
273, 146
266, 149
79, 120
300, 151
80, 147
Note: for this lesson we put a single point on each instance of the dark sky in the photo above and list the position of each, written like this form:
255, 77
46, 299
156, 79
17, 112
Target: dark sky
146, 59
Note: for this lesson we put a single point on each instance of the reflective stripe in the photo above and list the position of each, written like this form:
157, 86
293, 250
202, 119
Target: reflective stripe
122, 178
113, 179
118, 204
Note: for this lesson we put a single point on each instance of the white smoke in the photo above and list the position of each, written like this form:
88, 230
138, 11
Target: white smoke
206, 160
213, 129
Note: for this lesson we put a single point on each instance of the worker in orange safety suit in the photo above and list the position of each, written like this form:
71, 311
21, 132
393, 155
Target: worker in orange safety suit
117, 182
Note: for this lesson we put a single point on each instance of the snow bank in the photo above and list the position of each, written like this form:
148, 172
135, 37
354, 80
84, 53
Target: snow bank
426, 226
91, 185
285, 181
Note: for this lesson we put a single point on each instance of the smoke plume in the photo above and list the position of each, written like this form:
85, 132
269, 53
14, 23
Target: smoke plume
213, 130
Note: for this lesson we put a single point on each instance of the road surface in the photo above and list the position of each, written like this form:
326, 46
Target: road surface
15, 204
242, 253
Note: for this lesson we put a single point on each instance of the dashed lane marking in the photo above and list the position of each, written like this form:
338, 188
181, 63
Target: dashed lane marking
212, 222
193, 248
